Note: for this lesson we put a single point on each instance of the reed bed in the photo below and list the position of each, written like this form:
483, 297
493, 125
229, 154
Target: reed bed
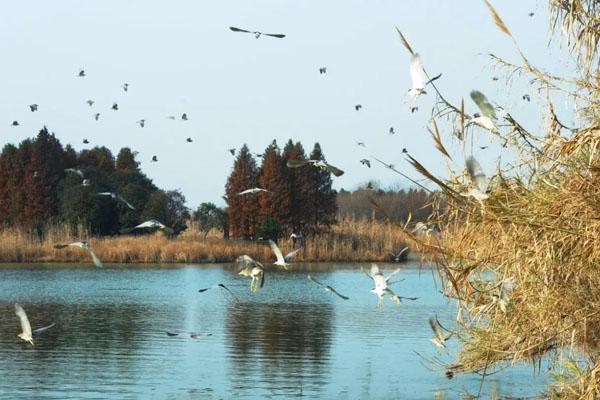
349, 240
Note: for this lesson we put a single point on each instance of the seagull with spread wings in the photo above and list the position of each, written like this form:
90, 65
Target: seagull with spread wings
322, 165
381, 285
218, 286
118, 197
487, 118
417, 77
478, 180
281, 260
397, 256
246, 266
439, 337
151, 225
256, 33
327, 288
253, 191
26, 333
82, 245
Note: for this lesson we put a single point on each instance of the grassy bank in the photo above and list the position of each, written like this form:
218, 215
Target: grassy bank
349, 240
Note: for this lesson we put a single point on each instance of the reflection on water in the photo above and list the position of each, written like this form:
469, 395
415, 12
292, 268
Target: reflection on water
287, 342
290, 339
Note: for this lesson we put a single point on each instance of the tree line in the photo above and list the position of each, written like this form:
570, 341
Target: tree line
302, 200
37, 189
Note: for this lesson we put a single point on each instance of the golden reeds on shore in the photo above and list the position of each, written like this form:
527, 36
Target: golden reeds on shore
348, 240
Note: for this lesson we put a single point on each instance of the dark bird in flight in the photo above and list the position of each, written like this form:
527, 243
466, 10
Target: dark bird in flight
154, 159
81, 73
495, 78
414, 109
323, 70
404, 150
358, 107
115, 106
142, 122
366, 162
15, 123
184, 117
232, 151
171, 117
90, 102
256, 33
392, 131
96, 116
361, 144
327, 288
125, 86
189, 140
531, 14
33, 107
85, 141
526, 97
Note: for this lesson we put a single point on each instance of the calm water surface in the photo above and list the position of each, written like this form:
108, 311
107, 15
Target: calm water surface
290, 339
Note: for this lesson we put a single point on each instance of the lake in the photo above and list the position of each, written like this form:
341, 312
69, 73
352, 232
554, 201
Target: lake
290, 339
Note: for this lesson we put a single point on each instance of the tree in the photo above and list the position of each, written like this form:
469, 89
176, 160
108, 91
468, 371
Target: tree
208, 216
299, 183
322, 206
273, 177
99, 157
269, 229
242, 211
126, 160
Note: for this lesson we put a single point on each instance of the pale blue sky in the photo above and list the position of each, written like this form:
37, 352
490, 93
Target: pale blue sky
179, 56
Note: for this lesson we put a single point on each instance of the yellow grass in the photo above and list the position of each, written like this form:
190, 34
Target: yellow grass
349, 240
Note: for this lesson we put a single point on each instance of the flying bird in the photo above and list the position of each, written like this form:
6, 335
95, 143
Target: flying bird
83, 245
154, 159
125, 86
115, 106
501, 297
85, 141
246, 266
184, 117
76, 171
253, 191
381, 285
531, 14
526, 97
322, 165
392, 131
478, 180
439, 337
86, 182
358, 107
96, 116
26, 333
256, 33
323, 70
327, 288
90, 102
142, 123
15, 123
488, 116
189, 140
417, 77
362, 144
217, 286
366, 162
396, 256
118, 197
281, 260
151, 225
33, 107
232, 151
171, 117
81, 73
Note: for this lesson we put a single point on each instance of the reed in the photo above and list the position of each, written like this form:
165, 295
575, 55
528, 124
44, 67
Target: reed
350, 239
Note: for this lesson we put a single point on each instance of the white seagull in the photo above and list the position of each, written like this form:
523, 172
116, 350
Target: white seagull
281, 260
381, 285
417, 77
397, 255
439, 338
253, 191
75, 171
478, 180
83, 245
26, 333
327, 288
247, 266
256, 33
487, 118
118, 197
150, 225
322, 165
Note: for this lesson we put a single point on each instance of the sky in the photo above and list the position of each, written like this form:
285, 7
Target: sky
180, 56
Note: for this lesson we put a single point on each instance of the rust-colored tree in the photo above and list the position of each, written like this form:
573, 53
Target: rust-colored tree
243, 211
274, 177
299, 184
321, 206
